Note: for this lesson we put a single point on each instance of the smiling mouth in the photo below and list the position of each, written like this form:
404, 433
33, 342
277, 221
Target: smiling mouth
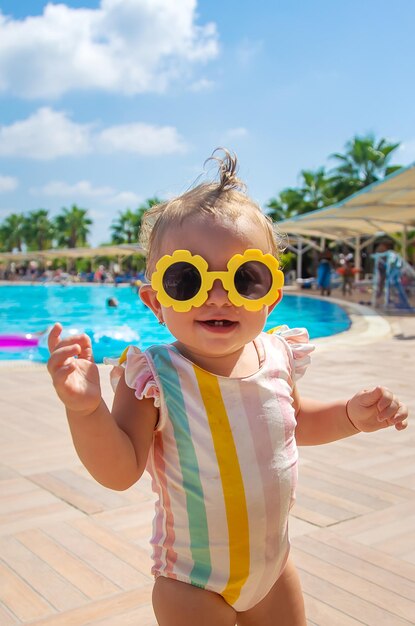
218, 323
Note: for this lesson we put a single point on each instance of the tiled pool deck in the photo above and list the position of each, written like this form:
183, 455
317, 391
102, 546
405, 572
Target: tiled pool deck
74, 554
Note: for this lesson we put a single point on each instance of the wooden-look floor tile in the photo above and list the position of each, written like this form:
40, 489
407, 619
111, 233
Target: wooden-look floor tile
19, 598
111, 609
75, 554
122, 574
71, 568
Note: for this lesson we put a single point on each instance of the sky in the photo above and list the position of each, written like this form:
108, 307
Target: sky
104, 104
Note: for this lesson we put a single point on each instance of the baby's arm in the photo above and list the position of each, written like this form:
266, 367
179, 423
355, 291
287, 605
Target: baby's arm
367, 411
113, 446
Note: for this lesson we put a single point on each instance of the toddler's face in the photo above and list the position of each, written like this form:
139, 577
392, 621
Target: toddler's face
217, 328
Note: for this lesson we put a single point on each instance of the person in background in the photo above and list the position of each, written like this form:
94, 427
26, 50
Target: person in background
380, 269
348, 274
324, 272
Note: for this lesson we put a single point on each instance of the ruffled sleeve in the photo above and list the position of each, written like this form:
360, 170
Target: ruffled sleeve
298, 346
138, 374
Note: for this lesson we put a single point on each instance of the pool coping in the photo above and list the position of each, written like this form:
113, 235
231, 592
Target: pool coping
367, 325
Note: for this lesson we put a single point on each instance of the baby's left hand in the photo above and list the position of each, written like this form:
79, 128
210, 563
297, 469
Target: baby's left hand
378, 408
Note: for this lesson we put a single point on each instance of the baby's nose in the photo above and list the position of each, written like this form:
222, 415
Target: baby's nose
217, 294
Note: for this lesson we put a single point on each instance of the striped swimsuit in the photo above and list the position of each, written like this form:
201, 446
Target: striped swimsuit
223, 465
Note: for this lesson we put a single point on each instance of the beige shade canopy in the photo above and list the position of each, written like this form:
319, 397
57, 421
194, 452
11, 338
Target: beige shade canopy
74, 253
387, 206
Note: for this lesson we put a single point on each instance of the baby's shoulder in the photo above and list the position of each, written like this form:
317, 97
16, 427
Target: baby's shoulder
135, 365
294, 343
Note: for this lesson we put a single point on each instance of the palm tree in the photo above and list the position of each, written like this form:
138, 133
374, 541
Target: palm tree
147, 204
125, 229
288, 203
38, 230
364, 162
72, 227
316, 189
12, 232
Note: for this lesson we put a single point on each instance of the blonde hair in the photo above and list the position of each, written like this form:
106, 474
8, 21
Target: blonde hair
223, 198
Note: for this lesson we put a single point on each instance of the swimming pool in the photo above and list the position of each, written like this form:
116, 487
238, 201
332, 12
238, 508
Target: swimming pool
31, 309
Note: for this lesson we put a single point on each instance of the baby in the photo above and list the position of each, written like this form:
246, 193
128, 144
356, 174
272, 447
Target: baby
215, 417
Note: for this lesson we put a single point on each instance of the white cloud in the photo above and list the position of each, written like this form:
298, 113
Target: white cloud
125, 199
406, 152
204, 84
8, 183
84, 190
46, 134
49, 134
236, 133
127, 46
248, 51
141, 139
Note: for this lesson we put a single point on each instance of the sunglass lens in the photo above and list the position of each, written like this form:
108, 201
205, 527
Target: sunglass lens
253, 280
181, 281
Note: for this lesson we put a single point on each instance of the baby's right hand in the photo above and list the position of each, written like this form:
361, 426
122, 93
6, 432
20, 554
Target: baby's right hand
76, 380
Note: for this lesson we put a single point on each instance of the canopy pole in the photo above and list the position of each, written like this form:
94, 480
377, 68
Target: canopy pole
300, 258
357, 259
365, 244
404, 242
357, 250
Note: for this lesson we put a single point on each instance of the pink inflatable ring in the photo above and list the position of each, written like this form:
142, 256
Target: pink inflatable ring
18, 341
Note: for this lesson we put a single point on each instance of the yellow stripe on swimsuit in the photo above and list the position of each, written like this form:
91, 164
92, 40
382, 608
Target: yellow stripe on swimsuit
223, 466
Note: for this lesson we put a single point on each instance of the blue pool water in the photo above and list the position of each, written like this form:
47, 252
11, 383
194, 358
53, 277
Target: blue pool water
30, 309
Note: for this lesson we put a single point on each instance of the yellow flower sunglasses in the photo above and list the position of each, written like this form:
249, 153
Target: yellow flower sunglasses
252, 279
